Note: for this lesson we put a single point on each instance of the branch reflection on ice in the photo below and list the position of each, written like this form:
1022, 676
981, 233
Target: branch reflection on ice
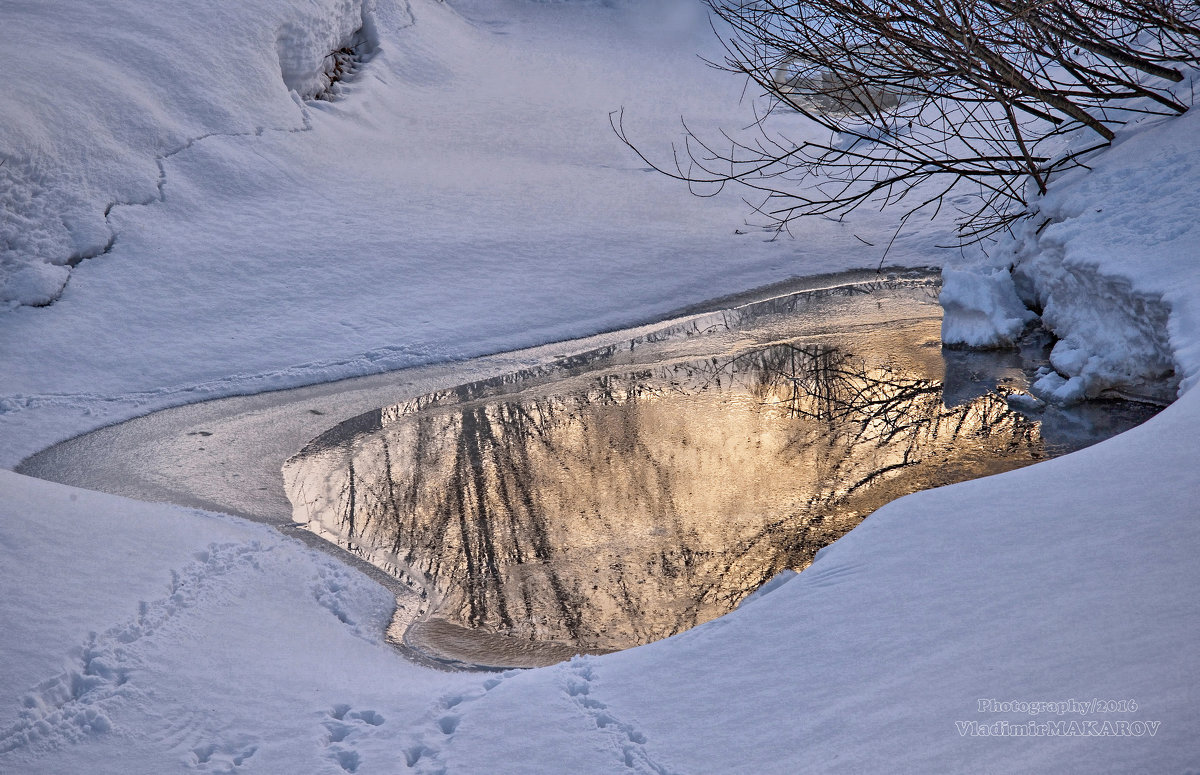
612, 510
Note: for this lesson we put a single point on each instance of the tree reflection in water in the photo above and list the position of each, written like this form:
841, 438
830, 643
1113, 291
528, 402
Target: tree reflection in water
608, 511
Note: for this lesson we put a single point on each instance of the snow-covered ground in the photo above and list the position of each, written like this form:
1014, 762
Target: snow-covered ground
464, 195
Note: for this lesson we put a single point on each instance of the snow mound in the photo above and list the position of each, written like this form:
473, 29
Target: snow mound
982, 308
130, 86
1105, 258
315, 48
1112, 340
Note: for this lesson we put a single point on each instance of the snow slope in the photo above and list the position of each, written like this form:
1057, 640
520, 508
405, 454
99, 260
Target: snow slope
464, 196
130, 88
127, 632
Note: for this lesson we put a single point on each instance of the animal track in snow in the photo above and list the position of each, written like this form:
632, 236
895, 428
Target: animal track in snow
203, 741
344, 726
224, 757
328, 593
424, 752
626, 738
75, 703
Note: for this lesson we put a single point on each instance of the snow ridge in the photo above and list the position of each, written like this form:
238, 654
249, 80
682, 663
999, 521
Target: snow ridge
49, 226
160, 194
160, 191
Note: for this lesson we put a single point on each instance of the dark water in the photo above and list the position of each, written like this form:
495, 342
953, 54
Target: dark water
635, 492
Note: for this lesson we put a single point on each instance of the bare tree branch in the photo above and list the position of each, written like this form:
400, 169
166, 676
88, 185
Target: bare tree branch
985, 97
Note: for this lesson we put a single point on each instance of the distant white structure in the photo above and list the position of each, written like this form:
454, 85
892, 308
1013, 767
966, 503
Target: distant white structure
805, 85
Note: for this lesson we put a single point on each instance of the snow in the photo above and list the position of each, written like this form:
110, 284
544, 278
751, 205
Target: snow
125, 659
1108, 258
101, 93
982, 308
464, 195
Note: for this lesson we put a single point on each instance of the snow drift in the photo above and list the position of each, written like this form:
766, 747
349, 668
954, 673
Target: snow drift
152, 638
143, 83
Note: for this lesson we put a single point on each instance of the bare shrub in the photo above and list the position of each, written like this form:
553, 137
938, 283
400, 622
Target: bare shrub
916, 103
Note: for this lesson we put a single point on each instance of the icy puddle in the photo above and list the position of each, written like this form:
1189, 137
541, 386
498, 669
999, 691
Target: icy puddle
627, 494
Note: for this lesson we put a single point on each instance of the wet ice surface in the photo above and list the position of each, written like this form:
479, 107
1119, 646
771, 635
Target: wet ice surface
630, 493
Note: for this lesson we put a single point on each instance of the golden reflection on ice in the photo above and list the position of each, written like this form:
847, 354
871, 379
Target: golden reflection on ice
609, 510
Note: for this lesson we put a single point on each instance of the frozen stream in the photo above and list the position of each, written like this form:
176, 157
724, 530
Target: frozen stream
627, 493
226, 455
610, 409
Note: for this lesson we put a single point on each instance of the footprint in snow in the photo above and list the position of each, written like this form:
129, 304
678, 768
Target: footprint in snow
344, 726
424, 752
579, 678
74, 705
222, 757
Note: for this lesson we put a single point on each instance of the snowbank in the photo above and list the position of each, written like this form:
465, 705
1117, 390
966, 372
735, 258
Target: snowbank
1106, 260
101, 93
149, 638
465, 196
982, 308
